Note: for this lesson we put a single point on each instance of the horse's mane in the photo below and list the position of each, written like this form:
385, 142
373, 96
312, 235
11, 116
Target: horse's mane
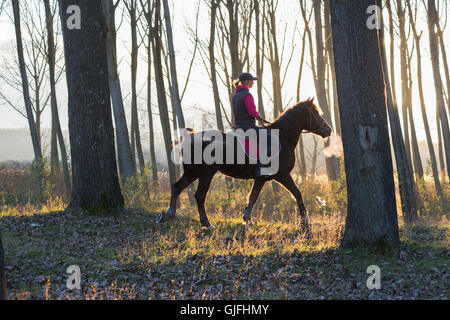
290, 116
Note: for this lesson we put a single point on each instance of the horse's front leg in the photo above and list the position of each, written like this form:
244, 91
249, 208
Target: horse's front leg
288, 182
256, 189
176, 189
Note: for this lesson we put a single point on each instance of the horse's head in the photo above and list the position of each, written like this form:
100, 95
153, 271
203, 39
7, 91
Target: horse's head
314, 121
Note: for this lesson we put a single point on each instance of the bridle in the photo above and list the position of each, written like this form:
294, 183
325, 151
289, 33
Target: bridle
311, 116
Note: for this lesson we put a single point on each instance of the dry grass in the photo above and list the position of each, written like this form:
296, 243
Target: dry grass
127, 256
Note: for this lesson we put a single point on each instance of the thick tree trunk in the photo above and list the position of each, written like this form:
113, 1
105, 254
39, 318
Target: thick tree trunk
372, 213
94, 170
56, 124
25, 88
434, 51
3, 287
127, 166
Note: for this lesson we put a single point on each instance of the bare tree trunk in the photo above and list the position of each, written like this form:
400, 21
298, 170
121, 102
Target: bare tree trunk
372, 214
3, 287
404, 172
127, 166
149, 110
329, 50
440, 144
332, 163
56, 124
434, 168
160, 88
444, 62
212, 65
23, 73
173, 67
434, 51
259, 60
391, 54
404, 79
95, 180
414, 144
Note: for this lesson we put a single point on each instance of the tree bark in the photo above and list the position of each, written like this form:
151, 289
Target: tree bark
95, 180
372, 214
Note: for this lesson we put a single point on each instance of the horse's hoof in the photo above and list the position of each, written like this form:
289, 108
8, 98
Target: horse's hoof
248, 222
210, 227
160, 218
163, 217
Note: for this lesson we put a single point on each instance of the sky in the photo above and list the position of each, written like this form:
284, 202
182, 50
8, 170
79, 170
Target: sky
199, 93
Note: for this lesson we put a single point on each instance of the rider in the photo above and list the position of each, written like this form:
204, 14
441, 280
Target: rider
245, 112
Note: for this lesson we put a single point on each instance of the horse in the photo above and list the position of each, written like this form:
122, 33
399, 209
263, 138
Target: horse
302, 117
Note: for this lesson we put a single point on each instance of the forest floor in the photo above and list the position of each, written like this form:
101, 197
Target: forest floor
125, 255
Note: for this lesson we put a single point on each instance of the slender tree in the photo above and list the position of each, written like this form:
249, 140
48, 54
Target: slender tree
127, 166
24, 77
417, 37
3, 287
434, 51
372, 213
94, 170
56, 124
404, 171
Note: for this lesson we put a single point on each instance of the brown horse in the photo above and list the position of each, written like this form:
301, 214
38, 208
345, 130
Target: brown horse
303, 117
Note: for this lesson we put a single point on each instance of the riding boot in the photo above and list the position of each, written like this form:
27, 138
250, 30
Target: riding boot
259, 165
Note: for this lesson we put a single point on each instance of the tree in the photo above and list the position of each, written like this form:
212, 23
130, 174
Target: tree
404, 171
24, 77
136, 146
127, 166
3, 288
56, 124
434, 51
154, 24
372, 214
417, 36
94, 170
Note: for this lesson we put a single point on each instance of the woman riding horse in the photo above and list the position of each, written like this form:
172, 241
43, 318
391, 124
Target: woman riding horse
305, 116
245, 113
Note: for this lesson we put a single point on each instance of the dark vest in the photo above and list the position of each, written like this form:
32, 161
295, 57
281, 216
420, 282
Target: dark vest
241, 117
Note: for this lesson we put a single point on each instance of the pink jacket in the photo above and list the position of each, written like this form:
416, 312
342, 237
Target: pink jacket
249, 103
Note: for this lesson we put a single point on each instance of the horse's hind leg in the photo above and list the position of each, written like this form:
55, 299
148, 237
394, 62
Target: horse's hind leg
177, 188
256, 189
289, 183
204, 183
